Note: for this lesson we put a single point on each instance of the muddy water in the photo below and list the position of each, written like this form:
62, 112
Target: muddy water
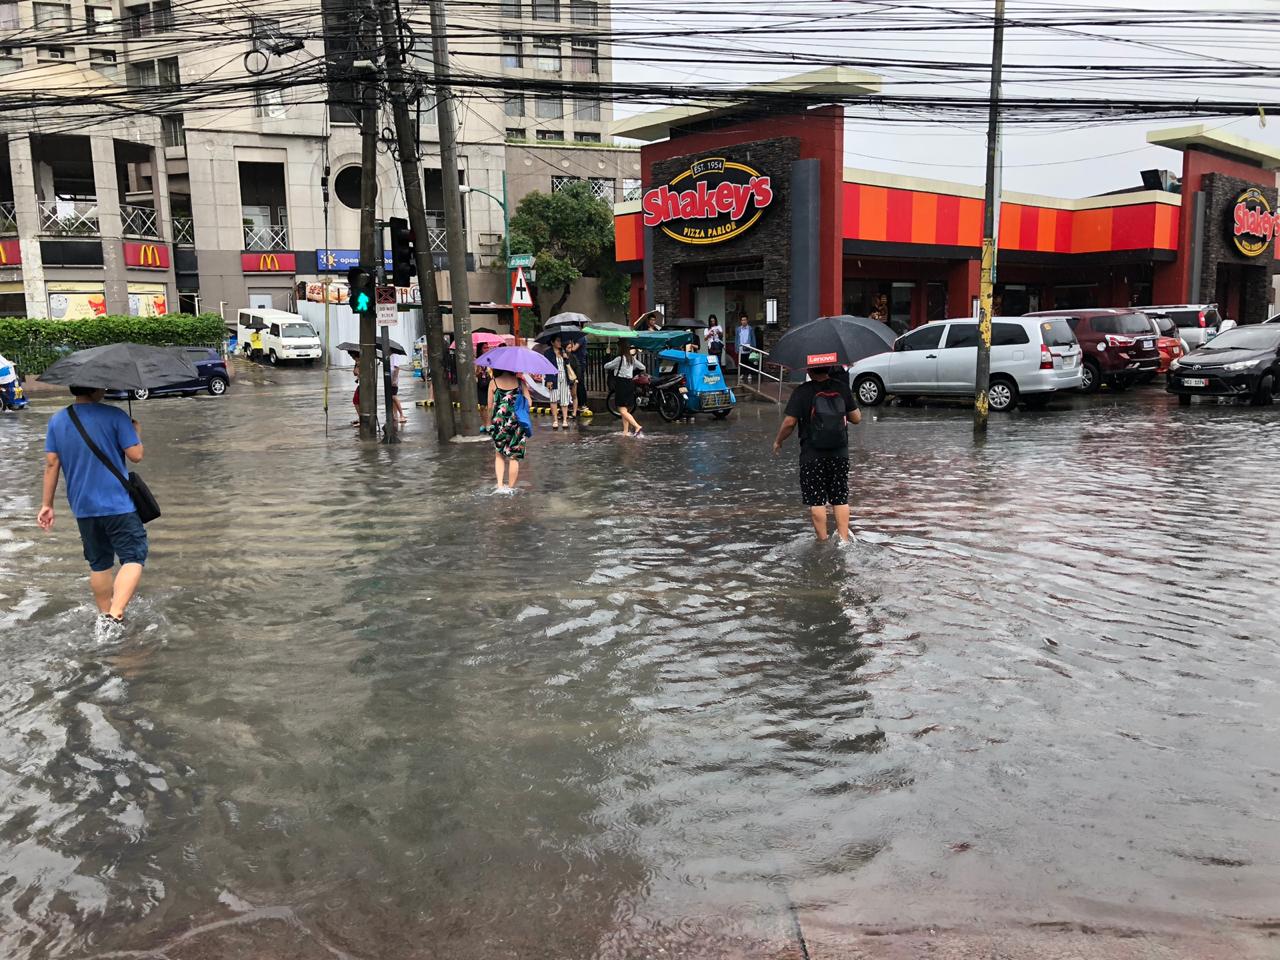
366, 708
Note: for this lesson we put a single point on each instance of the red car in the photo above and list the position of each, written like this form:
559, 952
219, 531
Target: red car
1119, 346
1168, 340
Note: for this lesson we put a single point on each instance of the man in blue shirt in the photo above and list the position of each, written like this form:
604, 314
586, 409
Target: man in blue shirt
104, 510
744, 339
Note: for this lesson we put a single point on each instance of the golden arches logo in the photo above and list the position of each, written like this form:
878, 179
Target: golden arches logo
268, 261
148, 255
4, 255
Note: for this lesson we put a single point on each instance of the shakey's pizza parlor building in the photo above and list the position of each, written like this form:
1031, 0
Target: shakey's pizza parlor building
747, 209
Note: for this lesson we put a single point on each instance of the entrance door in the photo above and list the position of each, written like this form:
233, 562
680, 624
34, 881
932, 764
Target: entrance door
709, 300
260, 301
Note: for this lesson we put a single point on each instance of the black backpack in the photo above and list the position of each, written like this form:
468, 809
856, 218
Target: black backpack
828, 421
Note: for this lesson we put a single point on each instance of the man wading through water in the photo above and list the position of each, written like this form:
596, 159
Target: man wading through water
822, 408
104, 510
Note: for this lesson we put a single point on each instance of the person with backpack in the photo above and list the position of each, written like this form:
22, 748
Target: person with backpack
822, 408
86, 441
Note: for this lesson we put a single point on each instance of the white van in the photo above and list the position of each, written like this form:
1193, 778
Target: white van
1031, 358
286, 337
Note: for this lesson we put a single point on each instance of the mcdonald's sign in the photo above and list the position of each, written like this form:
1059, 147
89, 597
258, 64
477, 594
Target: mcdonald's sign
148, 256
268, 262
10, 253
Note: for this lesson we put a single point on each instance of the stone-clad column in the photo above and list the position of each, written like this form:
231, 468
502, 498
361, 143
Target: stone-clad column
107, 189
22, 168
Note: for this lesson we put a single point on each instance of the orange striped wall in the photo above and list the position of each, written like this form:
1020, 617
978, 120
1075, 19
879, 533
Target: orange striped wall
628, 237
892, 215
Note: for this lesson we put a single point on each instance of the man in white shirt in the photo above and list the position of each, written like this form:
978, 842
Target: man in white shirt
8, 377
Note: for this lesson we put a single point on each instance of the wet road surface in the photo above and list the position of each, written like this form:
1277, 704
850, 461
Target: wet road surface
368, 709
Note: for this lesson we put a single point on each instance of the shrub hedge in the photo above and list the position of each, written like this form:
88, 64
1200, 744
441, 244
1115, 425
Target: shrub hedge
34, 344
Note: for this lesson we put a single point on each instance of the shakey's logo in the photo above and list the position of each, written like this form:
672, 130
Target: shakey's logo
1253, 225
713, 201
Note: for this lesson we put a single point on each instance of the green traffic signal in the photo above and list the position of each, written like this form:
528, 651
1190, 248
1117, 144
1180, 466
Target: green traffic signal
362, 302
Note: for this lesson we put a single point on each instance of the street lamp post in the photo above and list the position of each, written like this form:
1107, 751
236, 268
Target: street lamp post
506, 237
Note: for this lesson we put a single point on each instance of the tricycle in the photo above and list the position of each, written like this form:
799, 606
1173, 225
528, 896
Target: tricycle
705, 389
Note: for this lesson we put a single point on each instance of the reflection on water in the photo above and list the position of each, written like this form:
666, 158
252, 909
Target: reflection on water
366, 709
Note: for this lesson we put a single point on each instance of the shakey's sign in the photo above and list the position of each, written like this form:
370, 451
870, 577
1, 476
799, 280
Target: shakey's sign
713, 201
1253, 226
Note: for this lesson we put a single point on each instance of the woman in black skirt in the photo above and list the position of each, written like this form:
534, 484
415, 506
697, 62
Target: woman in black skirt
624, 368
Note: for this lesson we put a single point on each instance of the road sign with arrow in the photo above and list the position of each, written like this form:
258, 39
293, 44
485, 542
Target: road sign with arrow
521, 296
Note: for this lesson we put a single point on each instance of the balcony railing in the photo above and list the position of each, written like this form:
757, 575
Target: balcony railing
184, 231
274, 236
136, 221
8, 220
69, 218
436, 242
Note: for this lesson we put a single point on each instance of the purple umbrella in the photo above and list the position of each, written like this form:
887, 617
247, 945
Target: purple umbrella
516, 360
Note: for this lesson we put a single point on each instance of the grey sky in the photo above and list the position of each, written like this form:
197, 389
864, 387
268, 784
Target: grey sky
1041, 158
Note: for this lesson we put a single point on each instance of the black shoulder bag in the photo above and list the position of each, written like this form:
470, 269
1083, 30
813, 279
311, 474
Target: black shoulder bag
144, 500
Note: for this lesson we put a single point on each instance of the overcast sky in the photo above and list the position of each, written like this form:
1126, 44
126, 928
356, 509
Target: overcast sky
1067, 161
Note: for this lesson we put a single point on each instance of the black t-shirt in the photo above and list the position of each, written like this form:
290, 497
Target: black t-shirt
800, 406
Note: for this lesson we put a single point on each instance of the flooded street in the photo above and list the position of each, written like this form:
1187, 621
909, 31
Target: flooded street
367, 709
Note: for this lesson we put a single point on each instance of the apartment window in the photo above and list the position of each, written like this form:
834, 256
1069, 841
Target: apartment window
10, 60
268, 103
548, 108
554, 135
559, 183
155, 73
53, 53
511, 8
513, 106
632, 187
547, 56
52, 16
584, 11
9, 16
517, 133
173, 130
96, 18
586, 58
587, 108
102, 56
105, 62
602, 187
587, 137
143, 19
546, 9
512, 50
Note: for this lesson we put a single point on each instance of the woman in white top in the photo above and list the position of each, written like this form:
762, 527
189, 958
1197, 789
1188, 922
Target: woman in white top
624, 368
566, 386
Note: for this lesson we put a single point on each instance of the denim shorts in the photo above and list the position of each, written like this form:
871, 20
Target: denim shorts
105, 538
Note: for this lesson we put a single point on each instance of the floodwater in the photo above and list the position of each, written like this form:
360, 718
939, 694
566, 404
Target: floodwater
367, 709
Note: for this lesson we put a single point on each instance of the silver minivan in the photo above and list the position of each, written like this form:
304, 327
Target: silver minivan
1032, 358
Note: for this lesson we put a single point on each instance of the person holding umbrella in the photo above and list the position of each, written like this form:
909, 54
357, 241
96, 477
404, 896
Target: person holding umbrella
511, 425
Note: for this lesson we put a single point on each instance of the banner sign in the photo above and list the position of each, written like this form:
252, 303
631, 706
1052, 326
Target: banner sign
146, 256
332, 260
1252, 225
713, 201
10, 253
268, 262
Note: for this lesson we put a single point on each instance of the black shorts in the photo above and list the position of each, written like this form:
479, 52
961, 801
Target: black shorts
105, 538
825, 480
624, 392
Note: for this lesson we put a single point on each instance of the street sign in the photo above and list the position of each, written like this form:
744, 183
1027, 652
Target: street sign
387, 308
521, 296
520, 260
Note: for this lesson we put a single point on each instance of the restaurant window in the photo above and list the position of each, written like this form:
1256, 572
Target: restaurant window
547, 57
548, 108
512, 50
546, 9
935, 302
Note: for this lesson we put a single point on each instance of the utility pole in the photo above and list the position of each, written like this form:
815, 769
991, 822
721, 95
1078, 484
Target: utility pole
411, 174
368, 219
990, 228
456, 236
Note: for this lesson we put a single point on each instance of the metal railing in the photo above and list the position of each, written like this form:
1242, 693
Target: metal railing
274, 236
747, 360
8, 219
69, 218
184, 231
138, 221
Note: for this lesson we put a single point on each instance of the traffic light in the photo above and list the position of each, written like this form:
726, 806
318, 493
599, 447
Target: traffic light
403, 256
363, 295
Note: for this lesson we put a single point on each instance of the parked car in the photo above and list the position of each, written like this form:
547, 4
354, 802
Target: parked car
1169, 341
212, 371
1119, 345
286, 335
1196, 322
1031, 359
1243, 362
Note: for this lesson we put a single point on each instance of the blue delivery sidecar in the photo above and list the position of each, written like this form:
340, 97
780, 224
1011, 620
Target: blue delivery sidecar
708, 391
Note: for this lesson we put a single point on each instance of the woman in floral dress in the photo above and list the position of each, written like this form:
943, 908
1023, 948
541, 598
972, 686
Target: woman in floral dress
505, 429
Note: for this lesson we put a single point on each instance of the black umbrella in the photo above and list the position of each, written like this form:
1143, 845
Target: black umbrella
122, 366
568, 319
832, 340
566, 333
350, 347
254, 324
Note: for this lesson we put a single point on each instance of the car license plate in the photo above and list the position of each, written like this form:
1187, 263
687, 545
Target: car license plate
1057, 363
1194, 382
1148, 344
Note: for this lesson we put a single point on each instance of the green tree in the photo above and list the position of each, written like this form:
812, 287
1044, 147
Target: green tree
570, 234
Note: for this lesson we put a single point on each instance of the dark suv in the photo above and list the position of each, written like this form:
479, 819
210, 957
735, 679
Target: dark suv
211, 375
1119, 346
